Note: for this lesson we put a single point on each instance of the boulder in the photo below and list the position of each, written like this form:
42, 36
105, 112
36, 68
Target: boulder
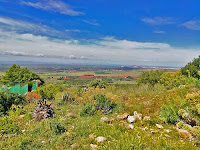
131, 119
137, 115
123, 117
184, 133
107, 120
130, 126
100, 139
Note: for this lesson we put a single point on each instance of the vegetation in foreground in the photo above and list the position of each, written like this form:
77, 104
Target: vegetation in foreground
161, 111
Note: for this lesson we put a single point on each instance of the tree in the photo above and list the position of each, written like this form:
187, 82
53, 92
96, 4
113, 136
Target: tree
16, 74
150, 77
192, 68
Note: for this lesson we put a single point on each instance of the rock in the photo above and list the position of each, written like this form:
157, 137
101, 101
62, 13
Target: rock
184, 133
181, 86
131, 119
146, 118
123, 117
107, 120
94, 147
167, 130
100, 139
167, 136
71, 114
154, 131
92, 136
144, 129
137, 115
159, 126
130, 126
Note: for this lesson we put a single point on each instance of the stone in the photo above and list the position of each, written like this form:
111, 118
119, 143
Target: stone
167, 130
93, 147
131, 119
100, 139
181, 86
184, 133
74, 146
130, 126
159, 126
166, 135
144, 129
123, 117
137, 115
21, 117
71, 114
92, 136
146, 118
107, 120
154, 131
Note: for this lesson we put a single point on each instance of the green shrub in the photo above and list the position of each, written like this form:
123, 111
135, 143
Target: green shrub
150, 77
7, 99
169, 114
8, 125
56, 126
88, 110
103, 103
97, 83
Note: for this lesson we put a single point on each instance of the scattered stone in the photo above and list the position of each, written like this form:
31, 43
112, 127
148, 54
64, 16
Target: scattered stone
184, 133
94, 147
100, 139
181, 86
23, 131
146, 118
43, 142
144, 129
137, 115
131, 119
167, 130
159, 126
130, 126
123, 117
71, 114
107, 120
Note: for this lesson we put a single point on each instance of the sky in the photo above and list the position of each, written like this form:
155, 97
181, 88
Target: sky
105, 32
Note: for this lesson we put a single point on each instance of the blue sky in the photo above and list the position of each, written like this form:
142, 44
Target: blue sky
129, 32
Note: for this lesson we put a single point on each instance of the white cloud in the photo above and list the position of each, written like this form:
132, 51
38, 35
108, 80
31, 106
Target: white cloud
108, 50
9, 24
73, 30
193, 25
94, 23
158, 20
53, 6
159, 32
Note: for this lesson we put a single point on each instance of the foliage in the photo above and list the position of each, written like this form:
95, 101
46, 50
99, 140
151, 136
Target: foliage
32, 97
192, 68
169, 114
193, 98
97, 83
103, 103
16, 74
7, 99
49, 91
8, 125
88, 109
150, 77
56, 126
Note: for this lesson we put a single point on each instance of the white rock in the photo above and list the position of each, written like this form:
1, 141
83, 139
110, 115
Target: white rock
159, 126
137, 115
104, 119
131, 126
93, 146
131, 119
100, 139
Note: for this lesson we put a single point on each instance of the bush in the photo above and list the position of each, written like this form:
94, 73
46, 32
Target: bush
88, 110
104, 104
150, 77
7, 99
56, 126
169, 114
97, 83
